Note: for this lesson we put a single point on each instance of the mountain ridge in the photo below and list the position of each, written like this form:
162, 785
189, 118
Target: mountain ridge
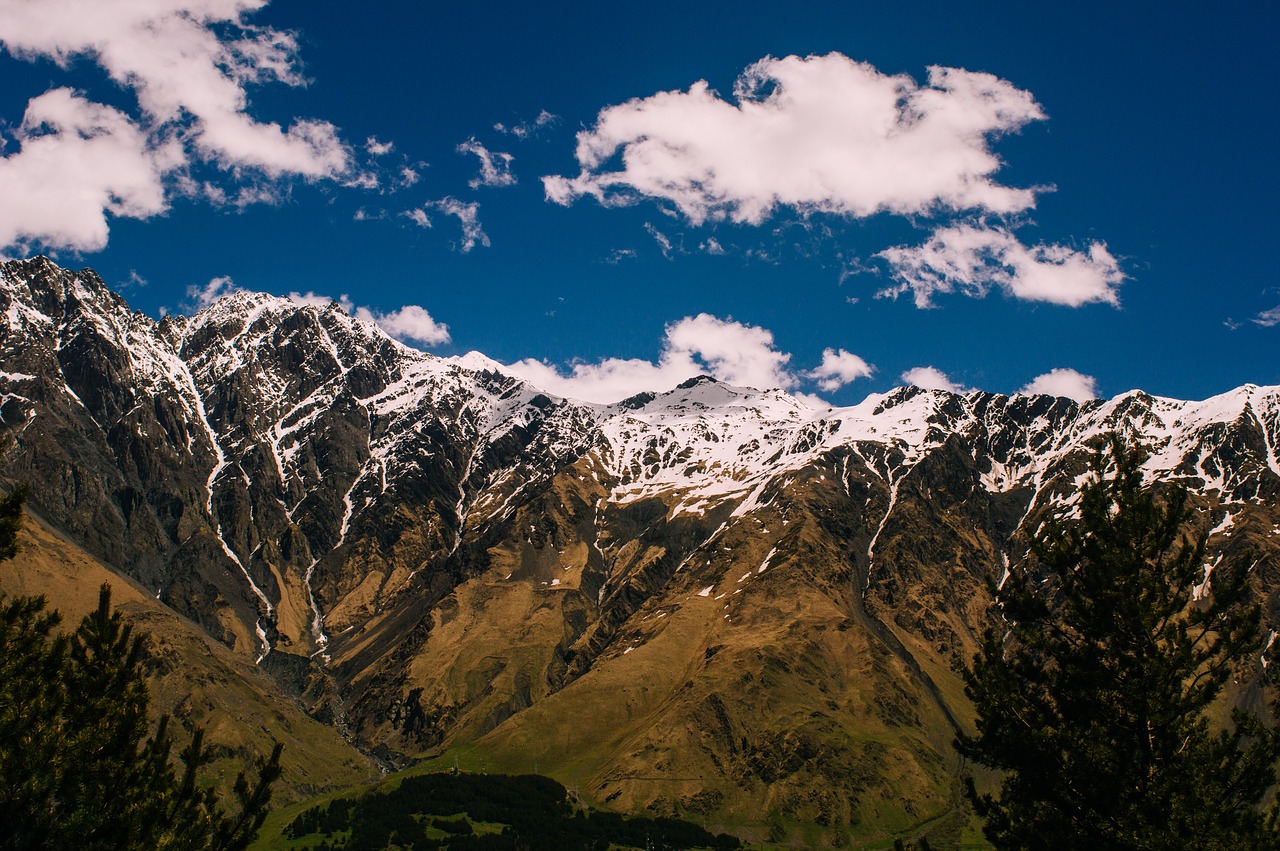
434, 554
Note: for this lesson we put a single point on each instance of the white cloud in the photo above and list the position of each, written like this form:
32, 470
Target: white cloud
408, 177
736, 353
186, 57
189, 64
1063, 382
822, 133
203, 296
728, 351
495, 166
468, 214
931, 378
311, 299
971, 259
1268, 318
664, 241
410, 324
839, 368
78, 162
418, 217
525, 129
377, 148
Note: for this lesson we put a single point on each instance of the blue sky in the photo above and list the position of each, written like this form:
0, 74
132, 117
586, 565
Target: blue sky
1092, 189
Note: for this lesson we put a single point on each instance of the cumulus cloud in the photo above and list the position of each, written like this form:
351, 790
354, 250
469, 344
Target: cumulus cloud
1268, 318
1063, 382
931, 378
78, 162
189, 63
839, 368
410, 324
495, 166
728, 351
467, 213
192, 57
971, 259
817, 133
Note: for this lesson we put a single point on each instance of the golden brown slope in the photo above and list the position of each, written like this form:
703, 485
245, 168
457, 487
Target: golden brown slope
191, 676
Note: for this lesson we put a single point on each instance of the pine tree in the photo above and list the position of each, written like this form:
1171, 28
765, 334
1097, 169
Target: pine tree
1092, 693
77, 766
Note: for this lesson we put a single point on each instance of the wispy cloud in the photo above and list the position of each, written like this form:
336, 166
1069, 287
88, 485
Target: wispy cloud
818, 133
189, 63
495, 166
525, 129
419, 217
468, 215
971, 259
1063, 382
1268, 318
664, 241
203, 295
378, 148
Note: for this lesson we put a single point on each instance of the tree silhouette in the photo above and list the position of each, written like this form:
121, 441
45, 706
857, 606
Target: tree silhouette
77, 766
1092, 694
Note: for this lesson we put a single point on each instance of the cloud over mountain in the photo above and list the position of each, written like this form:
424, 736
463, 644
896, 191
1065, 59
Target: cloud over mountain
190, 64
932, 378
817, 133
1064, 382
971, 259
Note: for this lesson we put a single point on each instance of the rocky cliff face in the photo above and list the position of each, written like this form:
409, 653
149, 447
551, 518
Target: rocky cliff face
711, 601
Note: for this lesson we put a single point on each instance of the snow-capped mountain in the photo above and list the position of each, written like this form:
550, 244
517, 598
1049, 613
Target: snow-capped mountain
432, 551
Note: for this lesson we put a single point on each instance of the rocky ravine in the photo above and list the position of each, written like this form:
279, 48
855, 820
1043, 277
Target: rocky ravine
712, 600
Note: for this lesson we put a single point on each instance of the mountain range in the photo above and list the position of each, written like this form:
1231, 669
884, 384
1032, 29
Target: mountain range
706, 601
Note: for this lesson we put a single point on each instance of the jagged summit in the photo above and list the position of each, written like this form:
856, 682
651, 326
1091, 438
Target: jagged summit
432, 551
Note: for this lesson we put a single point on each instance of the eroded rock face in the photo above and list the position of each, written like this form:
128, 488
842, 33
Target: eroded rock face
710, 601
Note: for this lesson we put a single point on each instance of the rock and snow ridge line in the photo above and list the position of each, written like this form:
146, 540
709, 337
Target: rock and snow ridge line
699, 445
711, 439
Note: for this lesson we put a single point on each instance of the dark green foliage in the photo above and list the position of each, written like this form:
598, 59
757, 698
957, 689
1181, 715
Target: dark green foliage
77, 768
11, 519
1093, 704
536, 811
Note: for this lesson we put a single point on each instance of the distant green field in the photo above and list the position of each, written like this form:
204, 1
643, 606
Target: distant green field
462, 812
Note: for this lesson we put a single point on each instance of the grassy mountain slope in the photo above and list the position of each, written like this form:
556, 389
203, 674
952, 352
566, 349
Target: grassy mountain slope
191, 676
